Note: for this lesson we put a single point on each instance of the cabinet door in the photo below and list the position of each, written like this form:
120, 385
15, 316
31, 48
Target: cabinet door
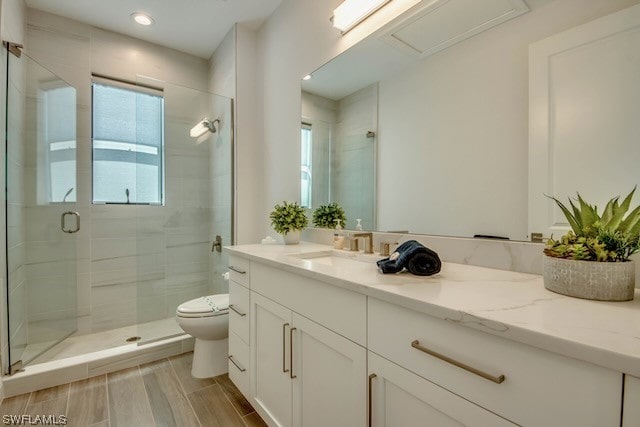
270, 364
330, 377
631, 411
400, 398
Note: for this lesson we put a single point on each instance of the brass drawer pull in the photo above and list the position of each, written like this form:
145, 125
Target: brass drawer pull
237, 366
284, 347
233, 307
291, 352
497, 380
237, 270
369, 405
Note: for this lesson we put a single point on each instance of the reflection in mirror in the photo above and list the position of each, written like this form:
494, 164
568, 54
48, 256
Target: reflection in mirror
452, 134
338, 146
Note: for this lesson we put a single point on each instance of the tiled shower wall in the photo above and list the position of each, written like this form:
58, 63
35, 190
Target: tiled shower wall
353, 160
339, 137
135, 263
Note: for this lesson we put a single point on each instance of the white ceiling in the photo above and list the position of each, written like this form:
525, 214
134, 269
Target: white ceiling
192, 26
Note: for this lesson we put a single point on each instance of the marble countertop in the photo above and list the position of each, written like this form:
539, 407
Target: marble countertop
503, 303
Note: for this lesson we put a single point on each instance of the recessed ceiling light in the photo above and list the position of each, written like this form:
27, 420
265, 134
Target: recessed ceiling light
142, 19
307, 77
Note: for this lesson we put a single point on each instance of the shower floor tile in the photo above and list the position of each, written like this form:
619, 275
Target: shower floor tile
76, 345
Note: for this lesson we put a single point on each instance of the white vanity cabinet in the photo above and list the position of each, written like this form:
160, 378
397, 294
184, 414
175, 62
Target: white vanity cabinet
400, 398
631, 411
320, 354
271, 383
239, 321
524, 384
329, 371
304, 373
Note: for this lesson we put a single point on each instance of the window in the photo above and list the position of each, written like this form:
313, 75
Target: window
57, 143
128, 144
305, 166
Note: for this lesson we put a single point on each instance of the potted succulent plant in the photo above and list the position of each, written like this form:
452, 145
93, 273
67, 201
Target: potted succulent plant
288, 219
327, 216
592, 260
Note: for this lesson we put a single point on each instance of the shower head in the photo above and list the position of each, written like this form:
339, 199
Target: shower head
203, 126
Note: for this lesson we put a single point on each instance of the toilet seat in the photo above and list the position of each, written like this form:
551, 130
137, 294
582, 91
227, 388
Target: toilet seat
207, 306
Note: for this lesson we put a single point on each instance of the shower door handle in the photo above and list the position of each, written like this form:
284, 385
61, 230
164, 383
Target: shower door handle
62, 222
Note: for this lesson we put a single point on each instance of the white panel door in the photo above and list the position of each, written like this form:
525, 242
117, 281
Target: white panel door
400, 398
330, 373
270, 363
584, 104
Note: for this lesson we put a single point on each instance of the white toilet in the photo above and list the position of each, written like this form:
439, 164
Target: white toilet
207, 320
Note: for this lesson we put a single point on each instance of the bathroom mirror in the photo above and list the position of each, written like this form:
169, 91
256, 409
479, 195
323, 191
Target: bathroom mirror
452, 139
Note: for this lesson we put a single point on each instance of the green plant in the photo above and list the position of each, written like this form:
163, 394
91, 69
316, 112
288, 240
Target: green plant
287, 217
610, 237
325, 216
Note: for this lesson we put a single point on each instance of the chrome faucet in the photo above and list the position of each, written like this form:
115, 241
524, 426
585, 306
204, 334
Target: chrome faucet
369, 243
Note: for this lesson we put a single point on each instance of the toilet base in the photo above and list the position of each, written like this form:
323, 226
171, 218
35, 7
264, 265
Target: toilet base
210, 358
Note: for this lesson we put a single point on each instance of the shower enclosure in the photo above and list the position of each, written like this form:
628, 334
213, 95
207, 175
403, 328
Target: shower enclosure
85, 275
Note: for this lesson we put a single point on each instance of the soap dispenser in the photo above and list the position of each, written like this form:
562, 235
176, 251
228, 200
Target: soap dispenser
338, 237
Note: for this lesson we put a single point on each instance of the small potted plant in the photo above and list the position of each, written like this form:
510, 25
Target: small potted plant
592, 260
288, 219
328, 216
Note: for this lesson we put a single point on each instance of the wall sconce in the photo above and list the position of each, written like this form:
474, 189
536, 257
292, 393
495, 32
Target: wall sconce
352, 12
204, 126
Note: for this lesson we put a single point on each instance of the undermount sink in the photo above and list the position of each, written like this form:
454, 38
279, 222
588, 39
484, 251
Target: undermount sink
335, 257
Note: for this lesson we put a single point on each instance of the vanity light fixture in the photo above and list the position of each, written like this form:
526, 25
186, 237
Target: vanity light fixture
142, 19
352, 12
307, 77
205, 125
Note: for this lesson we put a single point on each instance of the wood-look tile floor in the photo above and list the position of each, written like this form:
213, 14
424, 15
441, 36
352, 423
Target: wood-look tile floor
161, 393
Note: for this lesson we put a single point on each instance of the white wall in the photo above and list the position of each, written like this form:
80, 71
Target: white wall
248, 139
222, 66
474, 93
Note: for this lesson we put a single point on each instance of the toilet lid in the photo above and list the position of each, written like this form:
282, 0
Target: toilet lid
211, 305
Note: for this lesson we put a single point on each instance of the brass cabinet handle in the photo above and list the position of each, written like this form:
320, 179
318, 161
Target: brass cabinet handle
284, 347
291, 352
369, 405
497, 380
237, 270
233, 307
237, 366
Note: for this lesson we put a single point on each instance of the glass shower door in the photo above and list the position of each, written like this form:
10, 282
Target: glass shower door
42, 219
177, 258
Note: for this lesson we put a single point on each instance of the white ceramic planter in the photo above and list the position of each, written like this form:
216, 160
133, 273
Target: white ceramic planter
602, 281
292, 237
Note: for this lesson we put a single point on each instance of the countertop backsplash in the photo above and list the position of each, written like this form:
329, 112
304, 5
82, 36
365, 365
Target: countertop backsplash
522, 257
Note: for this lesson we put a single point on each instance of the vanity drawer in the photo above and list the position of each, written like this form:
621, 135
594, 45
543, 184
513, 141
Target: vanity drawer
239, 360
340, 310
539, 388
239, 310
240, 270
